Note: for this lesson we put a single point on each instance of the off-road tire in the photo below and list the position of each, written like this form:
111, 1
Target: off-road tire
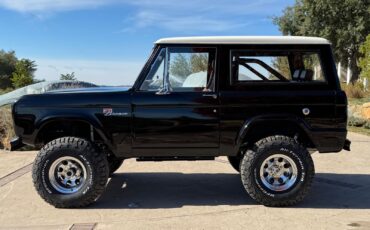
234, 162
114, 163
95, 163
252, 161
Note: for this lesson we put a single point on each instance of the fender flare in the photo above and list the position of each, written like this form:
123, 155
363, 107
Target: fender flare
247, 125
40, 124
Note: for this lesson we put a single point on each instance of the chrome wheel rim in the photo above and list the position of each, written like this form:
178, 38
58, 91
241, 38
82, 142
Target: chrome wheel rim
67, 175
278, 172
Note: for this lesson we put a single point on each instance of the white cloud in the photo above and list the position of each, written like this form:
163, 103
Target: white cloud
177, 23
231, 6
36, 6
198, 16
94, 71
215, 7
186, 16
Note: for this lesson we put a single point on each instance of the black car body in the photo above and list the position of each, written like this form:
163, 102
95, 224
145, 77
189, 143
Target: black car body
192, 123
244, 98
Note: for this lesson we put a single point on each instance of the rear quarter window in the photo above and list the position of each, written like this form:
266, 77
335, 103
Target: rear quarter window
276, 66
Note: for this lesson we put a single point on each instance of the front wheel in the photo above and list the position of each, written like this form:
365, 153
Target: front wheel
69, 172
277, 172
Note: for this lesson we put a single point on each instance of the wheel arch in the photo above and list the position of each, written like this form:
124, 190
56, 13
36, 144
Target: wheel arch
260, 127
53, 127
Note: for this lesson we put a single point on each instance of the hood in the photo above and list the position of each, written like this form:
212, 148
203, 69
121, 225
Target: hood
90, 90
77, 97
46, 86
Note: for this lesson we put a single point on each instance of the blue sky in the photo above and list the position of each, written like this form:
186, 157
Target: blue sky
108, 41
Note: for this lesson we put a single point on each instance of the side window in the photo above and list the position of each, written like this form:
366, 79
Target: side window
260, 68
312, 62
191, 69
182, 70
276, 66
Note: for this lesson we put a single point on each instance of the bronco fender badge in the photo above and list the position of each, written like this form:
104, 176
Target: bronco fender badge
107, 112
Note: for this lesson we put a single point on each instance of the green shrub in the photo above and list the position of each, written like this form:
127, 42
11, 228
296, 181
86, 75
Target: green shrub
356, 121
367, 125
7, 90
6, 127
354, 90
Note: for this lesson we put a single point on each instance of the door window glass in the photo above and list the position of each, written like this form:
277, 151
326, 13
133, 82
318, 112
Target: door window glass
181, 70
191, 69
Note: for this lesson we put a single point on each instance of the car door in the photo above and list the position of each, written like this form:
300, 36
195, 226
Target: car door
175, 108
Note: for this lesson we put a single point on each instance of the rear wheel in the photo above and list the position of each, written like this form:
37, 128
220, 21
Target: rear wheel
69, 172
277, 172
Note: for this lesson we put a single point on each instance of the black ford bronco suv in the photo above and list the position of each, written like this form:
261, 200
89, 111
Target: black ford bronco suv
266, 103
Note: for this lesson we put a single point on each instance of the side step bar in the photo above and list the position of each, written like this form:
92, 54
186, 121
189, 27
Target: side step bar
195, 158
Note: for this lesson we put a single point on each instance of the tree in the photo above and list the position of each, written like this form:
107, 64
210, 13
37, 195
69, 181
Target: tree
180, 66
345, 23
23, 73
281, 64
199, 62
183, 66
8, 61
291, 21
15, 73
68, 77
364, 62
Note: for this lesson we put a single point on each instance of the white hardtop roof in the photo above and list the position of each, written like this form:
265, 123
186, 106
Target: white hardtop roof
234, 40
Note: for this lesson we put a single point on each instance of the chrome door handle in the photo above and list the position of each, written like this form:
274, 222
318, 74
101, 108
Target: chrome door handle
214, 96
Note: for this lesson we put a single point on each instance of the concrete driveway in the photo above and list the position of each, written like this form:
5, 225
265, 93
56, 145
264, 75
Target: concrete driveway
194, 195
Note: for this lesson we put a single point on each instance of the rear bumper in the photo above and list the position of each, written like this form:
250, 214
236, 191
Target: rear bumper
347, 145
16, 143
